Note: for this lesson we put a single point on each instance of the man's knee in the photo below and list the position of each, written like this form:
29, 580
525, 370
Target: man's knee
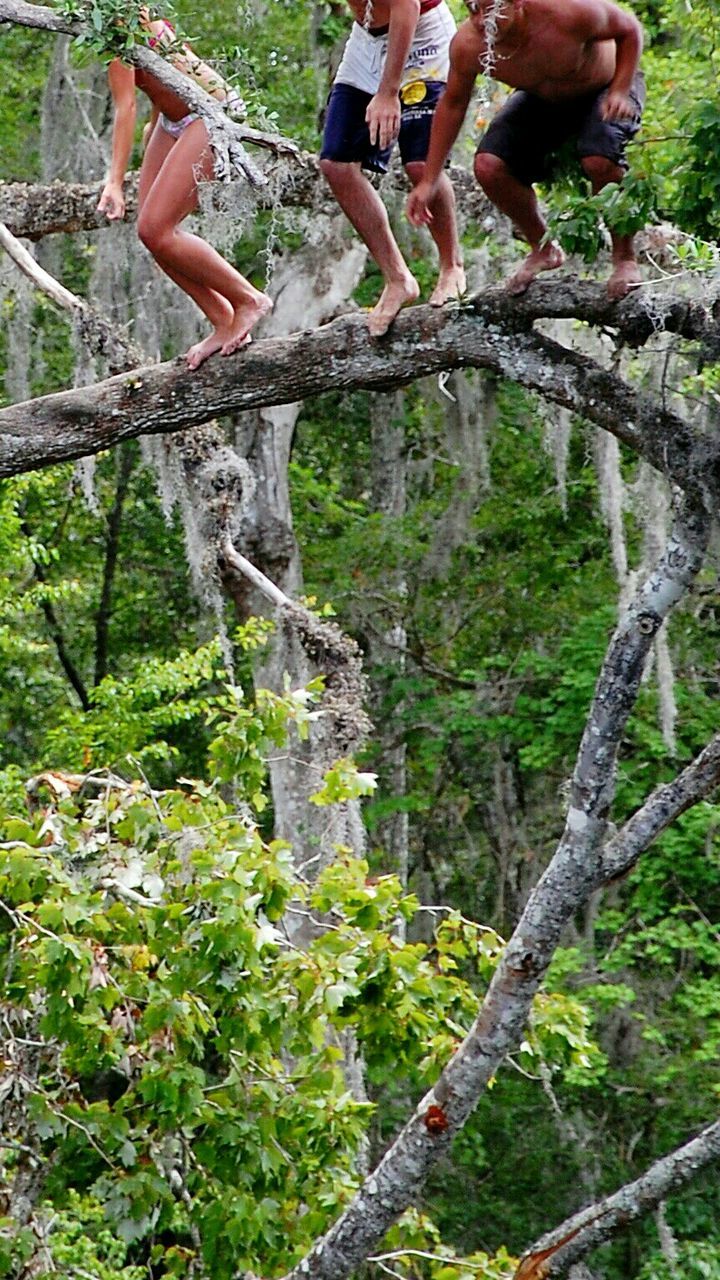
491, 172
415, 170
600, 171
334, 171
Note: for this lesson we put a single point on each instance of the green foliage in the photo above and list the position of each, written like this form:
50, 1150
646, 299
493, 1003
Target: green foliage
344, 782
109, 27
696, 1260
181, 1044
576, 220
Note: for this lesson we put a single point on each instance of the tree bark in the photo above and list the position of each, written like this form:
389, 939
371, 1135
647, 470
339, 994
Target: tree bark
343, 356
554, 1254
574, 873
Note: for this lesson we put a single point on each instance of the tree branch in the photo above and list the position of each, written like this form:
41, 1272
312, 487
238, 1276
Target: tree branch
666, 803
34, 210
342, 356
555, 1252
575, 871
101, 337
57, 636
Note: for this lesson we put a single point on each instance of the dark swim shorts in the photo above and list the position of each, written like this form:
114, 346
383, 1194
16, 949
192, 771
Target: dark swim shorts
527, 131
346, 136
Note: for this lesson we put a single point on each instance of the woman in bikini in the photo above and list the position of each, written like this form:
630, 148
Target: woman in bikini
177, 156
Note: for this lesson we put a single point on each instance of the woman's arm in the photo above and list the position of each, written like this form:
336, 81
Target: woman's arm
122, 88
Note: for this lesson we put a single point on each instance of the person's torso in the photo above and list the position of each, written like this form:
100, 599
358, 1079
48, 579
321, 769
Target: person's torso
374, 15
161, 97
162, 34
554, 65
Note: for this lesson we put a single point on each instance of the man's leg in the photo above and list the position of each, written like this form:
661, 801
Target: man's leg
520, 204
361, 203
443, 229
625, 275
346, 146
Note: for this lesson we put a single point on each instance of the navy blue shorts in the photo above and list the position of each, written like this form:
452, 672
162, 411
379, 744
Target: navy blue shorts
346, 136
527, 131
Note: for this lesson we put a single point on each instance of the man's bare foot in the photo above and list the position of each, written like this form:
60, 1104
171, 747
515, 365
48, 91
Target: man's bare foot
393, 298
624, 278
547, 258
451, 283
245, 318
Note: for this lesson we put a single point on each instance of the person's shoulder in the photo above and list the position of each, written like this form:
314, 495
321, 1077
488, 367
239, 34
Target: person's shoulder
467, 48
581, 16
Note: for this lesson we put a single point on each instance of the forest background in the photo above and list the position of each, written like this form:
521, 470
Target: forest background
178, 1030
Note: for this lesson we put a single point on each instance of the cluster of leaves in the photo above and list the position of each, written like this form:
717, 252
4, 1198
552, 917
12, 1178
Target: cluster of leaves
110, 28
178, 1056
577, 220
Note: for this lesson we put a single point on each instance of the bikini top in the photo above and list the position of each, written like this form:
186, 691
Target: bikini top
167, 29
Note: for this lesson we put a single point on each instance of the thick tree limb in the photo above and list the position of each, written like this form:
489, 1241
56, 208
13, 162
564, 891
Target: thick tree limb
34, 210
555, 1252
35, 15
574, 873
342, 356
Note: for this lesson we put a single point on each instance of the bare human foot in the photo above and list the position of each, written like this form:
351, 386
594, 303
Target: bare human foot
200, 351
547, 258
624, 278
215, 341
245, 318
393, 298
451, 284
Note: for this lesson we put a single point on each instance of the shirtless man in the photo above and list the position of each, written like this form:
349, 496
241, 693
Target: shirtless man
176, 157
574, 67
388, 83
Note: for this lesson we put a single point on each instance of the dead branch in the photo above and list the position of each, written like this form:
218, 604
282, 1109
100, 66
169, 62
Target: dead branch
555, 1252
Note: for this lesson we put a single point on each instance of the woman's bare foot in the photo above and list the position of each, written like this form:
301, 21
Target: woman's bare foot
451, 284
547, 258
624, 278
245, 318
200, 351
393, 298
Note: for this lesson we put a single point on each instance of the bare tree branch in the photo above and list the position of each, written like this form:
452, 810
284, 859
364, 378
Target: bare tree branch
696, 781
555, 1252
101, 337
574, 873
56, 634
34, 210
342, 356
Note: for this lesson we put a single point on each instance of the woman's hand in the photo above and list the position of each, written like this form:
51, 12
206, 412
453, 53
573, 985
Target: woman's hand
112, 202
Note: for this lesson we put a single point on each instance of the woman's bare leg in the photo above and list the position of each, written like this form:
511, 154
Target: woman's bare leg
216, 308
232, 305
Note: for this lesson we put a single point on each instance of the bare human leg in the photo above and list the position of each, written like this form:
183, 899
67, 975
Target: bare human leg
232, 305
451, 281
362, 205
625, 275
216, 308
520, 204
